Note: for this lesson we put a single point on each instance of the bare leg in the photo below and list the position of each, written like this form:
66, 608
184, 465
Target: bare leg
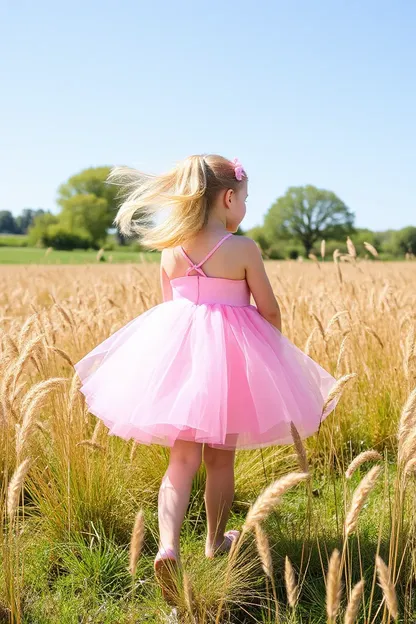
175, 491
219, 495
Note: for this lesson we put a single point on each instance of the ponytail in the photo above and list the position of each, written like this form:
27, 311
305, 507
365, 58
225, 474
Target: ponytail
186, 194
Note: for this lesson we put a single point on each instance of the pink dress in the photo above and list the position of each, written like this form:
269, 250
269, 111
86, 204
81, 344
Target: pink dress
204, 367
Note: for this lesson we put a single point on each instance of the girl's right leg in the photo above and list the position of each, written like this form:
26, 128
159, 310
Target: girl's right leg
175, 491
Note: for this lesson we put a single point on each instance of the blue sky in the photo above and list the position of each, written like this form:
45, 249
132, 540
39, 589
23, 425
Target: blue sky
303, 92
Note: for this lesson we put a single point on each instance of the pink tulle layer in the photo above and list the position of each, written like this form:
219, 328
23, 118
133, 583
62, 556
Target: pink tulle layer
210, 373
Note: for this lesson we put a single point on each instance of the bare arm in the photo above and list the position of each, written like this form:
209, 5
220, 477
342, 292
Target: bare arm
260, 286
165, 282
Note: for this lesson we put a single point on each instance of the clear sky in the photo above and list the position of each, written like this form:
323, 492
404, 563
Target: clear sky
316, 92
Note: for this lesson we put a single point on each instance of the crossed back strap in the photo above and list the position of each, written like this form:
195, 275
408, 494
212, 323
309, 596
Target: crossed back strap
197, 267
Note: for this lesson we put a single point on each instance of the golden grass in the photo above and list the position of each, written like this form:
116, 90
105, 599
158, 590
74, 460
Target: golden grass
356, 318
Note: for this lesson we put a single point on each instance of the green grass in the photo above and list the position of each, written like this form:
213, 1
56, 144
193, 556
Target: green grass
32, 255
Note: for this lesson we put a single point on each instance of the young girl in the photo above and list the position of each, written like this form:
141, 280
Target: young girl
205, 372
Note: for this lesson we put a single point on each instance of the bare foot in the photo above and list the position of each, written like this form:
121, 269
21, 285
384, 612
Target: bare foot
211, 550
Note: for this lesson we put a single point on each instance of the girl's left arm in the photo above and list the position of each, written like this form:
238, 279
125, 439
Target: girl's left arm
165, 282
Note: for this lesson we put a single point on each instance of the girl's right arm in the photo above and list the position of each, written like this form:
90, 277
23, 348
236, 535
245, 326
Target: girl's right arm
260, 287
164, 280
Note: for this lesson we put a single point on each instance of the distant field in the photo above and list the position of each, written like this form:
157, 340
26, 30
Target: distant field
32, 255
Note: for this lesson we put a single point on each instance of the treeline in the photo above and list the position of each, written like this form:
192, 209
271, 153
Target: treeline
9, 224
390, 244
297, 222
294, 226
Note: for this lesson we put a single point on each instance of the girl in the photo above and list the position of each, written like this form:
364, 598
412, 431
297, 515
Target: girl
205, 372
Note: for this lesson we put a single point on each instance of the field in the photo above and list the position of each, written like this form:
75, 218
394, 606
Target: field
34, 255
69, 493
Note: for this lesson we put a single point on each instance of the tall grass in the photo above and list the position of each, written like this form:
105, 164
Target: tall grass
328, 531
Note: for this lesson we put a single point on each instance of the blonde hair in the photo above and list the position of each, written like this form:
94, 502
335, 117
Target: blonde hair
187, 192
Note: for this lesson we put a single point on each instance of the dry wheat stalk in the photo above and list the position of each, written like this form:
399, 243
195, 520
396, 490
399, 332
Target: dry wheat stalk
359, 497
300, 449
13, 373
41, 390
337, 390
410, 467
32, 402
96, 431
187, 590
133, 450
354, 603
270, 497
63, 354
292, 589
351, 248
323, 249
335, 319
409, 351
64, 314
333, 586
74, 392
9, 346
387, 586
15, 487
136, 542
308, 344
342, 351
407, 427
312, 257
336, 256
263, 548
24, 332
371, 249
91, 444
319, 324
373, 333
41, 426
363, 457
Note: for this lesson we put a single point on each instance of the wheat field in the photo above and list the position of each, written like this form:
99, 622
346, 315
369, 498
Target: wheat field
328, 529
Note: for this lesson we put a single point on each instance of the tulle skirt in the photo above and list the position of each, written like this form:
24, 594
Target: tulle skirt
215, 374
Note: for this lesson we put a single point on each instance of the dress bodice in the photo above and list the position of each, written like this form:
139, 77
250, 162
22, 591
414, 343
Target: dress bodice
200, 288
210, 290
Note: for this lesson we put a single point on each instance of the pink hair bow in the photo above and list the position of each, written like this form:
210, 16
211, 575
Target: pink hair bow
238, 169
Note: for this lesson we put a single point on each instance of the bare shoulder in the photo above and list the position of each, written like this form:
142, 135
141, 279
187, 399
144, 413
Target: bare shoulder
247, 247
166, 258
244, 244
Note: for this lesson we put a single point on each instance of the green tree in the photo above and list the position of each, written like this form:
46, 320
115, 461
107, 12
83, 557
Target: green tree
404, 241
26, 218
257, 233
308, 214
37, 232
87, 213
88, 191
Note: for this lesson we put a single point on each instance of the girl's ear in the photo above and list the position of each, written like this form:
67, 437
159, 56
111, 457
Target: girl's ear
228, 198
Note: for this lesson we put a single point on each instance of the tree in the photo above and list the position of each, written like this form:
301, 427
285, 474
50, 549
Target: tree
87, 213
25, 220
90, 183
404, 241
308, 214
7, 223
37, 233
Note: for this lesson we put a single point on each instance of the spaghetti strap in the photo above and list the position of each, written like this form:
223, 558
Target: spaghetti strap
197, 267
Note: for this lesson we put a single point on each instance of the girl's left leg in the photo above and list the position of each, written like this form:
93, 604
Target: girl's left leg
219, 495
